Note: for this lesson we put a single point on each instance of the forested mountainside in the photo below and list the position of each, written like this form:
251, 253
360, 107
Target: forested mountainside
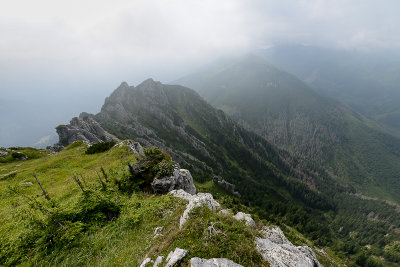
288, 113
366, 81
280, 186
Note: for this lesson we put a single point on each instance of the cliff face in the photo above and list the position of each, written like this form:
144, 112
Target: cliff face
85, 129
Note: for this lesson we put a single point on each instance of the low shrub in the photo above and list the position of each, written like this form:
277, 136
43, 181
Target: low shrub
164, 168
18, 155
100, 147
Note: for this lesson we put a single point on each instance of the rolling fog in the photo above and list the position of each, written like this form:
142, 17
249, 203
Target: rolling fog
58, 59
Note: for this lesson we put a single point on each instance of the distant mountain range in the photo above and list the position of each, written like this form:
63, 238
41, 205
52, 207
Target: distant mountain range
368, 82
355, 150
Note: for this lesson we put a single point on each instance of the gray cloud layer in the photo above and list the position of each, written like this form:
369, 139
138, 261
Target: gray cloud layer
70, 54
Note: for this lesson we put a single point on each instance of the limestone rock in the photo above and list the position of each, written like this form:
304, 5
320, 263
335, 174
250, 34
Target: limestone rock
145, 262
157, 231
55, 148
181, 194
275, 234
240, 216
135, 147
275, 248
225, 211
84, 129
198, 200
225, 185
158, 261
3, 153
176, 256
214, 262
141, 112
180, 179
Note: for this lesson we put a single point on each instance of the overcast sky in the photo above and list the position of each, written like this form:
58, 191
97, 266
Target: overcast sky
58, 58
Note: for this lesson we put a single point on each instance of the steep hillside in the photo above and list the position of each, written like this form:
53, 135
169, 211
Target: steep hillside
366, 81
279, 187
90, 219
202, 138
291, 115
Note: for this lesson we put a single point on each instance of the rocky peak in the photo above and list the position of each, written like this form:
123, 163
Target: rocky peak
119, 94
153, 92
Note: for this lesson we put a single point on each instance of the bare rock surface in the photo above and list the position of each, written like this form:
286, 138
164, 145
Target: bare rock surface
176, 256
198, 200
158, 261
275, 248
241, 216
180, 179
157, 231
84, 129
226, 185
145, 262
214, 262
135, 147
225, 211
3, 153
275, 234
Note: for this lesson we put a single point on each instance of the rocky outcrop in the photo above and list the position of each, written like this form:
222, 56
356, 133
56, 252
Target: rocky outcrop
84, 129
3, 153
275, 248
225, 211
180, 179
241, 216
176, 256
158, 261
145, 262
144, 112
55, 148
135, 147
157, 231
198, 200
214, 262
225, 185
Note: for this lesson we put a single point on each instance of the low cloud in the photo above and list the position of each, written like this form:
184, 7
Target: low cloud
79, 51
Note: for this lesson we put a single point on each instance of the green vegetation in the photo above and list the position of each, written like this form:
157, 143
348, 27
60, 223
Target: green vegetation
22, 153
99, 147
281, 188
86, 223
164, 168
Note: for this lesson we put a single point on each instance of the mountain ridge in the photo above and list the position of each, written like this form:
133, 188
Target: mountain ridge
291, 115
280, 187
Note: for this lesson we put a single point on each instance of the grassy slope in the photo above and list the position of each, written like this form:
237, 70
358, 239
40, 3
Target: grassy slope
126, 240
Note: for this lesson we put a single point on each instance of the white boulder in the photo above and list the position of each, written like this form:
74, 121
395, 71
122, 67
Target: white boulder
158, 261
240, 216
214, 262
176, 256
180, 179
145, 262
198, 200
275, 248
